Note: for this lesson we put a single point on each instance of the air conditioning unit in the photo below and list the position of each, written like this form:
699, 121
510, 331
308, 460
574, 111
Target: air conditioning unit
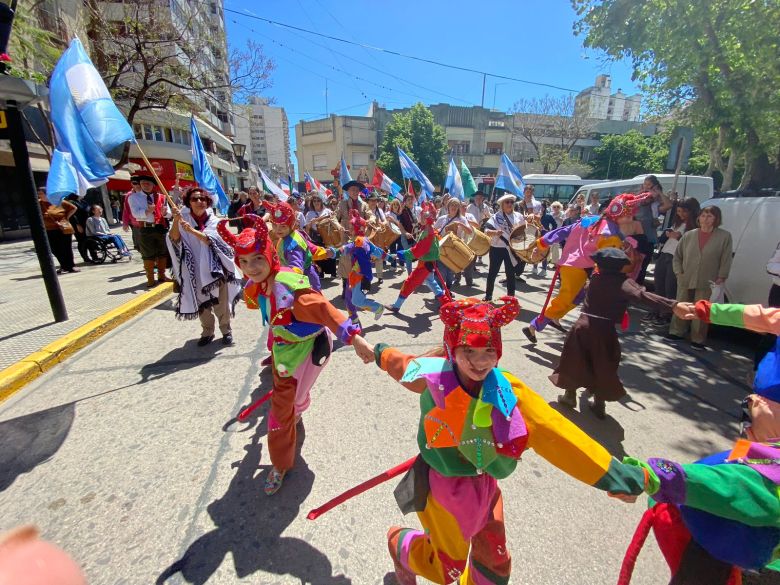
371, 156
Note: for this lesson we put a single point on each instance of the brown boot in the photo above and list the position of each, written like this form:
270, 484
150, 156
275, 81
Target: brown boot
149, 269
162, 264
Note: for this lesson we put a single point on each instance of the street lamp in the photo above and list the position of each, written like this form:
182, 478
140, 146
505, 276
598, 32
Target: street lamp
240, 150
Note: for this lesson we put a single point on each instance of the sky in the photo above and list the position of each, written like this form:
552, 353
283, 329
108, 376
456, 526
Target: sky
525, 39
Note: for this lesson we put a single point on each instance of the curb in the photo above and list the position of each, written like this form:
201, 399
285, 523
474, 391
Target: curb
16, 376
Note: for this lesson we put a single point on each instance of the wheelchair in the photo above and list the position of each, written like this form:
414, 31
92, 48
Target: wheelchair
101, 250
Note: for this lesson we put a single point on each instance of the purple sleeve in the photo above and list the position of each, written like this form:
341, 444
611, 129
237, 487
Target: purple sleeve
672, 476
557, 235
293, 257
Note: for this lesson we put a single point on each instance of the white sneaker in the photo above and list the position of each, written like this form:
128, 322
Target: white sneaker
378, 312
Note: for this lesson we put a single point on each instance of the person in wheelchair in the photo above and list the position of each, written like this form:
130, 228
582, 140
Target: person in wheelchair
101, 237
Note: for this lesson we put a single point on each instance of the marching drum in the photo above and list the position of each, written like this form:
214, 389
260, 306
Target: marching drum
523, 245
479, 242
331, 232
386, 236
454, 253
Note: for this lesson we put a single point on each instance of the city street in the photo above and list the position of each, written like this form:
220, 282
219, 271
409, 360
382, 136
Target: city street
129, 457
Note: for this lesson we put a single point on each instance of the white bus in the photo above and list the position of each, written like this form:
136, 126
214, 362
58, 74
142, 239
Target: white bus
687, 186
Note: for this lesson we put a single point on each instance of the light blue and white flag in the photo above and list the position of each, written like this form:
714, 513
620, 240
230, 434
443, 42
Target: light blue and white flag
201, 168
509, 177
454, 182
272, 187
344, 176
89, 128
411, 171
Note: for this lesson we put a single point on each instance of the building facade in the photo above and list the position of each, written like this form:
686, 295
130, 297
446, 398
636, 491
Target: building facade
265, 131
598, 102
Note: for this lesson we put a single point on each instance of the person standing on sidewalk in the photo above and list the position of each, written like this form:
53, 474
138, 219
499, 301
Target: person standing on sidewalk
59, 231
79, 222
129, 222
203, 267
152, 212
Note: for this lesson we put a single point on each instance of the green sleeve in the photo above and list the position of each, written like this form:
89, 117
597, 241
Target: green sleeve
732, 491
727, 314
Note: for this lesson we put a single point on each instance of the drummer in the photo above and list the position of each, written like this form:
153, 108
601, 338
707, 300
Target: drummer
471, 268
315, 214
500, 227
380, 222
480, 210
453, 221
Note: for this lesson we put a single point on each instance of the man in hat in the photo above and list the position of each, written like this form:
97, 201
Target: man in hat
353, 201
152, 212
128, 221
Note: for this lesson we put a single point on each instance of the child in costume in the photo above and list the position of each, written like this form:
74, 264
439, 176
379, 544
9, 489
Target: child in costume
476, 421
582, 238
362, 254
591, 352
301, 321
426, 252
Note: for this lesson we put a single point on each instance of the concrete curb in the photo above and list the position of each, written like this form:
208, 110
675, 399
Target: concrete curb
15, 377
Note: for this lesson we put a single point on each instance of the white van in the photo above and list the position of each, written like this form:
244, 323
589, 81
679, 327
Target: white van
556, 187
753, 224
687, 186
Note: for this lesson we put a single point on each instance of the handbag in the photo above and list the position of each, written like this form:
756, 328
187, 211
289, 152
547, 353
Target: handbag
65, 227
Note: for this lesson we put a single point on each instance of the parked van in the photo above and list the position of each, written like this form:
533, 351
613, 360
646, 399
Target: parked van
753, 224
687, 186
556, 187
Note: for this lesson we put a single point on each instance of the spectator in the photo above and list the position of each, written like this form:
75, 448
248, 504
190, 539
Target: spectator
595, 205
647, 215
394, 217
409, 220
79, 221
453, 221
530, 205
703, 255
317, 212
129, 222
548, 224
116, 209
97, 227
59, 231
239, 200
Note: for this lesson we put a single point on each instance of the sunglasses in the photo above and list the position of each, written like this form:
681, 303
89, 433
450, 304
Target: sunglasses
204, 199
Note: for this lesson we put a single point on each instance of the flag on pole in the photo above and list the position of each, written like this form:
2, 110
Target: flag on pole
344, 176
385, 183
411, 171
313, 184
509, 177
411, 189
285, 185
201, 169
89, 128
272, 187
454, 182
469, 186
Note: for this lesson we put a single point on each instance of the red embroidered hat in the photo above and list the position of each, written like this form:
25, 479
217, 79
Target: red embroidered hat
358, 223
428, 215
251, 240
476, 323
281, 213
625, 205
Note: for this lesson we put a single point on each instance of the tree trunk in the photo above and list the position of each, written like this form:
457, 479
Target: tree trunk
728, 173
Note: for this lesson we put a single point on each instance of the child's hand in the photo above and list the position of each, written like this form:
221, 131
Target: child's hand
685, 311
363, 349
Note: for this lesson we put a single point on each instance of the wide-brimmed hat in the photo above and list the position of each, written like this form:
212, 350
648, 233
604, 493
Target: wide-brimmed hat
359, 184
507, 197
144, 178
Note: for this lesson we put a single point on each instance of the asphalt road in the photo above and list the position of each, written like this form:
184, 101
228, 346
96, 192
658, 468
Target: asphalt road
128, 455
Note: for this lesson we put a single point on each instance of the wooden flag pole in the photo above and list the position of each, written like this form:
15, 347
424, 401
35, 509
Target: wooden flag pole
156, 178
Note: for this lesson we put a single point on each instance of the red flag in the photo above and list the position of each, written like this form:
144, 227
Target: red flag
411, 188
377, 180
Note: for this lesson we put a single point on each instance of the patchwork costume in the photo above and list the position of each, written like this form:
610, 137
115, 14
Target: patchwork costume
301, 321
426, 252
470, 440
362, 254
583, 238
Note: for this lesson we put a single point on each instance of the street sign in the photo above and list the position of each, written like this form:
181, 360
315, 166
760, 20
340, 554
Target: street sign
674, 148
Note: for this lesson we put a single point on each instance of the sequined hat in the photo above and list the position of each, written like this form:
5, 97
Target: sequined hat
476, 323
281, 213
626, 204
251, 240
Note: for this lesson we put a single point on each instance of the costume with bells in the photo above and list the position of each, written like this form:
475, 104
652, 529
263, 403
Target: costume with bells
301, 321
582, 239
426, 251
361, 253
470, 439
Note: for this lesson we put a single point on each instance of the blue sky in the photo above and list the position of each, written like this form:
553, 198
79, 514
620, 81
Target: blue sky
526, 39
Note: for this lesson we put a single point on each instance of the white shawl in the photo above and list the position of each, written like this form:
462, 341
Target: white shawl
201, 268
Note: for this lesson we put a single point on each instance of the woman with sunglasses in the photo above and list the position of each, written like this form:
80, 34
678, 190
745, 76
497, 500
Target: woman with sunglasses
203, 267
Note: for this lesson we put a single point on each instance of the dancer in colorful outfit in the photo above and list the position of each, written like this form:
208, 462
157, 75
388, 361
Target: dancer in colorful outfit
582, 239
426, 252
476, 421
591, 352
301, 321
362, 253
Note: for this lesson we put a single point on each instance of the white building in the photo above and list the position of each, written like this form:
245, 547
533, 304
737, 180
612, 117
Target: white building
600, 103
266, 132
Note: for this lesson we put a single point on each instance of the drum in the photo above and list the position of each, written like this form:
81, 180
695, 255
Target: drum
454, 253
386, 236
331, 232
479, 243
523, 245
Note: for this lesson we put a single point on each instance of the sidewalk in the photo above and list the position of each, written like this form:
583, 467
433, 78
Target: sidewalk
26, 322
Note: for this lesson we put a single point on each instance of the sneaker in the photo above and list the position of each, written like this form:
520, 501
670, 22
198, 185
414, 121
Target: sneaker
673, 337
698, 346
393, 308
205, 340
273, 481
227, 339
530, 334
378, 313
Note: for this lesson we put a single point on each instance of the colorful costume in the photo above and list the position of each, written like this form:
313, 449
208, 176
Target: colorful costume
591, 352
582, 238
426, 251
361, 252
301, 322
468, 441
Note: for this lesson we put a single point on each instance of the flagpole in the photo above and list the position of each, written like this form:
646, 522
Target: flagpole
156, 178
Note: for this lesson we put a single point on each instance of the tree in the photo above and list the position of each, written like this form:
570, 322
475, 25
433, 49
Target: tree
149, 60
421, 138
552, 126
33, 50
622, 156
712, 62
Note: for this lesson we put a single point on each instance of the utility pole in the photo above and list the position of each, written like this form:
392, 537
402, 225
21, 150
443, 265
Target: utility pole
326, 99
484, 80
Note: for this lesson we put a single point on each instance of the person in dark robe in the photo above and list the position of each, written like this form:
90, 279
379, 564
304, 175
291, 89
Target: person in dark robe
591, 352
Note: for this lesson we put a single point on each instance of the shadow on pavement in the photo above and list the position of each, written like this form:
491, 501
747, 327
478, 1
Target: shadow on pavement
607, 432
249, 526
25, 331
32, 439
182, 358
141, 286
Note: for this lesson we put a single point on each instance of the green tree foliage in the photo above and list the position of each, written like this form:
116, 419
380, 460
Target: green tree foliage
713, 62
622, 156
33, 50
421, 138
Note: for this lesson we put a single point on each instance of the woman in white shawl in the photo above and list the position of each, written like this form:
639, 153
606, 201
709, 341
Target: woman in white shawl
203, 267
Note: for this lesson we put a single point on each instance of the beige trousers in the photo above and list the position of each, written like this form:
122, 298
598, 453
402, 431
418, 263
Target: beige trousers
222, 312
698, 328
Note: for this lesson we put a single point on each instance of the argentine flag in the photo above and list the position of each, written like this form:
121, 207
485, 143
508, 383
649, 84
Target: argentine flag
411, 171
201, 168
454, 182
89, 128
509, 177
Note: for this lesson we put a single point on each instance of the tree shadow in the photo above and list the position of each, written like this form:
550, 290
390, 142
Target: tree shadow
541, 357
608, 432
178, 359
415, 326
32, 439
249, 527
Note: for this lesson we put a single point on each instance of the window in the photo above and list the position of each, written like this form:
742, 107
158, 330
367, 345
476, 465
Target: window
496, 124
359, 159
180, 136
138, 130
494, 148
320, 162
459, 146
